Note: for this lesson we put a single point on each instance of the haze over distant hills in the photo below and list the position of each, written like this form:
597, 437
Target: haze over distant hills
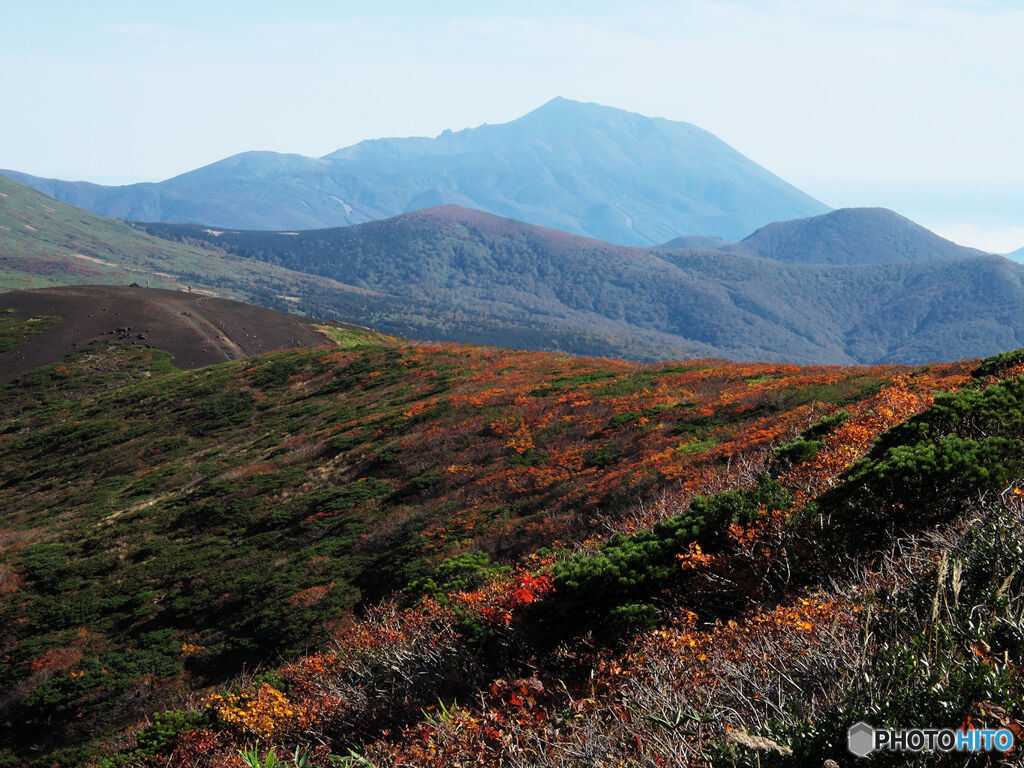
456, 274
844, 236
581, 168
850, 236
903, 295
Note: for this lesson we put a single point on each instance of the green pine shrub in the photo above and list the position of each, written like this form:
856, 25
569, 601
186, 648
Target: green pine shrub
930, 468
995, 365
598, 588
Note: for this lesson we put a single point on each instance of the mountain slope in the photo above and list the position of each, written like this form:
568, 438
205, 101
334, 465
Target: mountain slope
812, 572
704, 302
44, 242
1017, 255
454, 274
696, 241
581, 168
196, 330
163, 534
849, 236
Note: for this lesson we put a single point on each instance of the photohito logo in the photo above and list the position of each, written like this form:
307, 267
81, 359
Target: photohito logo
862, 740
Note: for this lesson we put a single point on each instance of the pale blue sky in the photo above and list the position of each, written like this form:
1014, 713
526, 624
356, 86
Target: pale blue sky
916, 105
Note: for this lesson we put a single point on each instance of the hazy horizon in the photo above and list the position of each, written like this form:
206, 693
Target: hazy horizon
912, 106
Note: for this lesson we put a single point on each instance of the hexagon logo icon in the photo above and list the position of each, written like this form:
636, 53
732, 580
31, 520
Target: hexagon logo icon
860, 739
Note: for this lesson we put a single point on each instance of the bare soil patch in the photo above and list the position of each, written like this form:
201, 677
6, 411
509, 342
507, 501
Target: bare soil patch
196, 329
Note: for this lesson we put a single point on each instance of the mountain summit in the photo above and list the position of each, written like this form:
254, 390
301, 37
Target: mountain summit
850, 236
583, 168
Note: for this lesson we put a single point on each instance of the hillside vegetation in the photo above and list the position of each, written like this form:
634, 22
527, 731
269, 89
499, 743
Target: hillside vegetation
656, 304
867, 569
452, 274
164, 529
44, 242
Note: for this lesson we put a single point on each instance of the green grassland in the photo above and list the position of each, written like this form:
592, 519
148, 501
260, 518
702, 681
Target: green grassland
14, 329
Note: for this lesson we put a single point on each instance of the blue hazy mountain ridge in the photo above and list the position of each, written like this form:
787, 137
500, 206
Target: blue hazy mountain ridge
850, 236
702, 242
1017, 255
847, 236
578, 167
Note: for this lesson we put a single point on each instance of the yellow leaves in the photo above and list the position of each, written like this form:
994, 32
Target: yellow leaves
734, 642
695, 558
485, 397
851, 440
505, 426
191, 649
744, 536
521, 440
265, 713
415, 410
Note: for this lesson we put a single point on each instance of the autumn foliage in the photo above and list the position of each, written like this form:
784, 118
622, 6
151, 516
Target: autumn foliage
522, 559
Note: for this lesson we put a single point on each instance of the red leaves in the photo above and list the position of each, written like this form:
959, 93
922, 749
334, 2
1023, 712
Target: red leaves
526, 693
310, 596
195, 749
498, 602
57, 658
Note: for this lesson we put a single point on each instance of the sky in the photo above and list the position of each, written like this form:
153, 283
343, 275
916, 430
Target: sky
909, 104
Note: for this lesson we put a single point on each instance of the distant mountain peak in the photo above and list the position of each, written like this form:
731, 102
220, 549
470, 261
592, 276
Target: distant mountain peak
580, 167
561, 106
562, 114
850, 236
492, 225
450, 212
864, 214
